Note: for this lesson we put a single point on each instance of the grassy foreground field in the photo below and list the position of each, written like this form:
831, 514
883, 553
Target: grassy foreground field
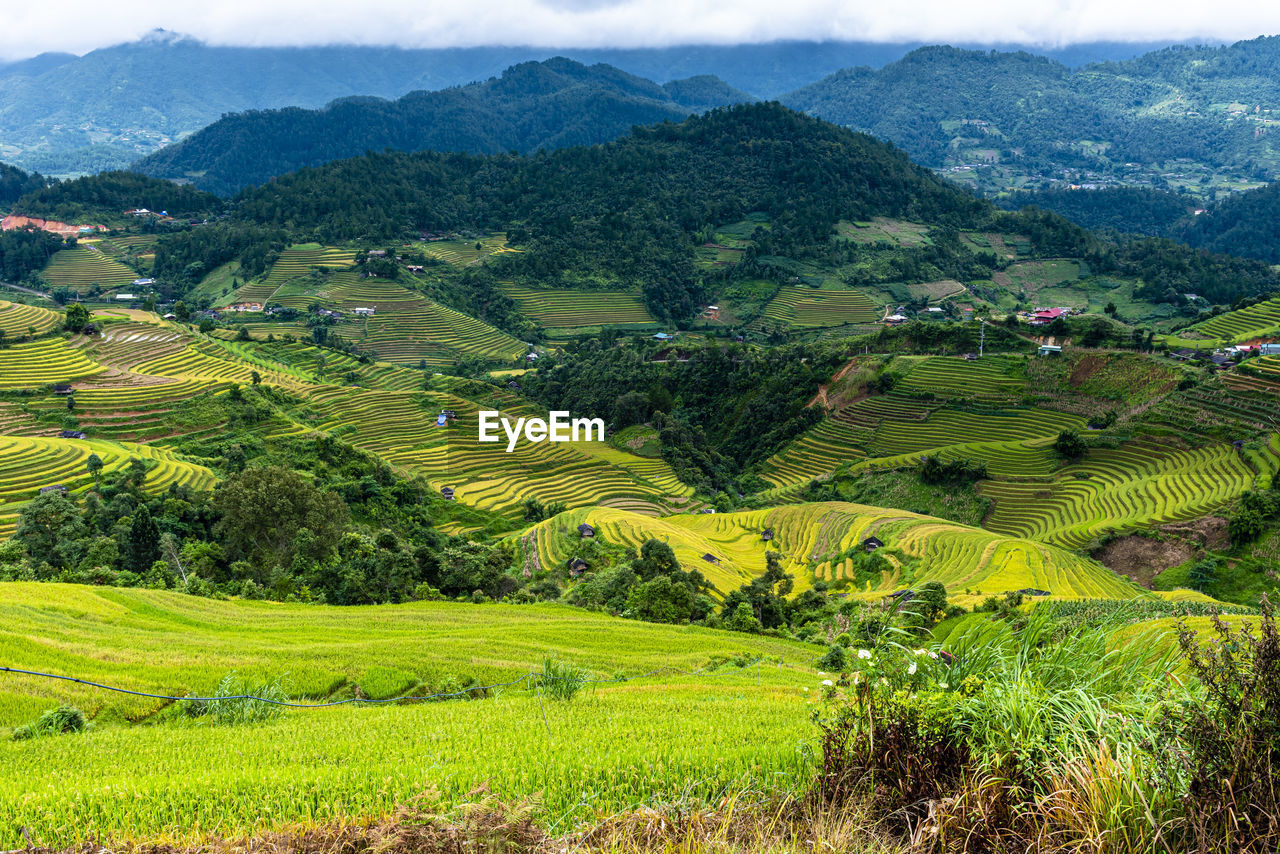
662, 736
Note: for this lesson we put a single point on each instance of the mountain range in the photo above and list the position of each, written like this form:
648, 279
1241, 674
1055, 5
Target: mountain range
63, 114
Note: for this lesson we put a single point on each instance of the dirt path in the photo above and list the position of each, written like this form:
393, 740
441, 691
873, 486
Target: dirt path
835, 378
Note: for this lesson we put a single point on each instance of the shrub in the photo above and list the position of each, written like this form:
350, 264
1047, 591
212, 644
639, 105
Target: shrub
1233, 736
835, 659
57, 721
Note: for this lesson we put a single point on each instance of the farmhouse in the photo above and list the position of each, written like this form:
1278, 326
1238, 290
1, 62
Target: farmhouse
446, 492
123, 297
664, 336
1050, 350
1269, 349
577, 566
710, 558
364, 312
767, 534
1041, 316
62, 388
143, 283
585, 530
872, 543
57, 487
895, 319
71, 434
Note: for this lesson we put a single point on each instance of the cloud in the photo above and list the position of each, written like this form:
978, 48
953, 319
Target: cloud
78, 26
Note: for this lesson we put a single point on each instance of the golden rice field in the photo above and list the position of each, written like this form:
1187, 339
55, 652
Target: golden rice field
28, 463
1119, 489
811, 538
43, 362
17, 319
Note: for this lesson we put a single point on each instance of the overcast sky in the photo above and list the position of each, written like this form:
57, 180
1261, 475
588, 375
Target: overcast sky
28, 27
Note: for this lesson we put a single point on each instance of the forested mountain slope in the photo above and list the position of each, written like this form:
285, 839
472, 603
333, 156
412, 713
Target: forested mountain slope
1171, 117
552, 104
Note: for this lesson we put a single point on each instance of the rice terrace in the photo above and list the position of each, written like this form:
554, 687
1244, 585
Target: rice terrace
569, 460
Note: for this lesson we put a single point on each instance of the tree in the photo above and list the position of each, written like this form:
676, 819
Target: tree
264, 508
255, 378
1202, 574
77, 317
94, 465
243, 334
661, 600
1069, 445
1110, 309
142, 545
656, 559
206, 325
181, 312
50, 529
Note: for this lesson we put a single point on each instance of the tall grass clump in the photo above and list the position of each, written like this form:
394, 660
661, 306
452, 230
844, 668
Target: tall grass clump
1017, 738
63, 719
238, 702
561, 680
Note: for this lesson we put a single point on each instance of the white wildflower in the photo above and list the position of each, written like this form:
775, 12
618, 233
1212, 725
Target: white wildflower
826, 682
918, 652
911, 671
805, 689
932, 654
864, 653
943, 685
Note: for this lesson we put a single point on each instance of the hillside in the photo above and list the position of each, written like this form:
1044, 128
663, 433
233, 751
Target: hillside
532, 106
1180, 117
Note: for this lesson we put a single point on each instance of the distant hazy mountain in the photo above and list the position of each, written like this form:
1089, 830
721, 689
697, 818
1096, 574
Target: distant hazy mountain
1025, 115
533, 105
61, 114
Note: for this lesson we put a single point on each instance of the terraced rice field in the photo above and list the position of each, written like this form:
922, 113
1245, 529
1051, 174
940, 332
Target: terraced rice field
463, 253
17, 319
294, 262
569, 308
811, 538
947, 427
810, 307
407, 328
401, 427
81, 268
817, 452
1112, 490
29, 463
428, 330
1243, 324
1266, 376
1216, 413
207, 361
989, 378
43, 362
